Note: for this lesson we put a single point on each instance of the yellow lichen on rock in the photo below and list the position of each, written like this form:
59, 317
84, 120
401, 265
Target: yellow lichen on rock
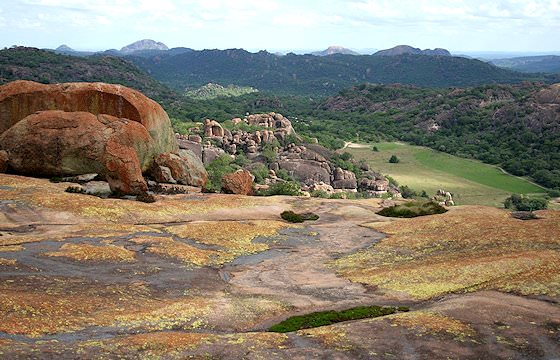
11, 248
425, 322
87, 252
167, 247
466, 249
7, 262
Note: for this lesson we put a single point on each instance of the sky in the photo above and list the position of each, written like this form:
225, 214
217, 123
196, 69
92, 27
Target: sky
273, 25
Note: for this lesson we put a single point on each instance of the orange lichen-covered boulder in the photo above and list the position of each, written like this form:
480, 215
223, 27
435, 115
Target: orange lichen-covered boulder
20, 99
54, 143
239, 182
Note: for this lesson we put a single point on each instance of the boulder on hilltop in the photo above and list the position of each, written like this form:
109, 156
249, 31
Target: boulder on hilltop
79, 128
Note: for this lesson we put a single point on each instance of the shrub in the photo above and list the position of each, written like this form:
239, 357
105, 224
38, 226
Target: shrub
221, 166
293, 217
284, 175
269, 152
407, 192
375, 149
323, 318
523, 203
392, 181
394, 159
284, 188
413, 209
260, 173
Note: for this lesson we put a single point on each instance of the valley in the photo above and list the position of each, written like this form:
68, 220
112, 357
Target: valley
420, 168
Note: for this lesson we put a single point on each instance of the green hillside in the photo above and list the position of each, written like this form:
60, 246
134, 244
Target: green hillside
420, 168
315, 75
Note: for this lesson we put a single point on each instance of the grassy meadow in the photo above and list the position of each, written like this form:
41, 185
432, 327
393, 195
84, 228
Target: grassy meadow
471, 181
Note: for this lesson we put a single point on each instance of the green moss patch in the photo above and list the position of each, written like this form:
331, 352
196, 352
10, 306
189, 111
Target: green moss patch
330, 317
413, 209
293, 217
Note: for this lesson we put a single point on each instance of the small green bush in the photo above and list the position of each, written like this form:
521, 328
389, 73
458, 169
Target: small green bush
407, 192
323, 318
284, 188
284, 175
221, 166
413, 209
260, 173
320, 194
523, 203
375, 149
394, 159
293, 217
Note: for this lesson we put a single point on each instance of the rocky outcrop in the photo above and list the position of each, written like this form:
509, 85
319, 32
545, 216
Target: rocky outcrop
184, 168
80, 128
20, 99
239, 182
212, 128
54, 143
344, 179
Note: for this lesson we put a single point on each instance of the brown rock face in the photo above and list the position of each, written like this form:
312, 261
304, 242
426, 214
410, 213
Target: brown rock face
3, 161
185, 167
239, 182
54, 143
20, 99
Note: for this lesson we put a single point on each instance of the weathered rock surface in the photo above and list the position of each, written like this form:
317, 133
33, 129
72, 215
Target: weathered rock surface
185, 168
3, 161
80, 128
344, 179
239, 182
54, 143
307, 171
19, 99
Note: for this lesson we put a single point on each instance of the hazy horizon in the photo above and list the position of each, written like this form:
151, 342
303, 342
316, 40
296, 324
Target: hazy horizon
505, 26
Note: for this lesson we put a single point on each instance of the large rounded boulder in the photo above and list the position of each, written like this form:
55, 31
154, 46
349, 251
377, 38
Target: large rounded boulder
55, 142
20, 99
79, 128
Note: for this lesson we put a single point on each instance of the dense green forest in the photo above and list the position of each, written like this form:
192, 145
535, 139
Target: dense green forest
321, 75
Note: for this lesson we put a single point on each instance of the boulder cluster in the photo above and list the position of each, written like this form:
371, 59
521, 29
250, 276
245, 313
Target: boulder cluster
310, 164
80, 128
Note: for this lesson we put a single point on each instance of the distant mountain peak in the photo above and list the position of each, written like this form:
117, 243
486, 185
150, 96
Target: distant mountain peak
407, 49
335, 49
146, 44
64, 48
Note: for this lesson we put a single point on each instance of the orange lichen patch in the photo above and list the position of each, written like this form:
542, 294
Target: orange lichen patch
332, 336
425, 322
7, 262
87, 252
107, 230
45, 195
167, 247
243, 312
37, 306
259, 340
182, 313
466, 249
234, 236
158, 344
11, 248
171, 344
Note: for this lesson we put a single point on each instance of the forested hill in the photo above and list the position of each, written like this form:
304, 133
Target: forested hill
516, 127
313, 75
23, 63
